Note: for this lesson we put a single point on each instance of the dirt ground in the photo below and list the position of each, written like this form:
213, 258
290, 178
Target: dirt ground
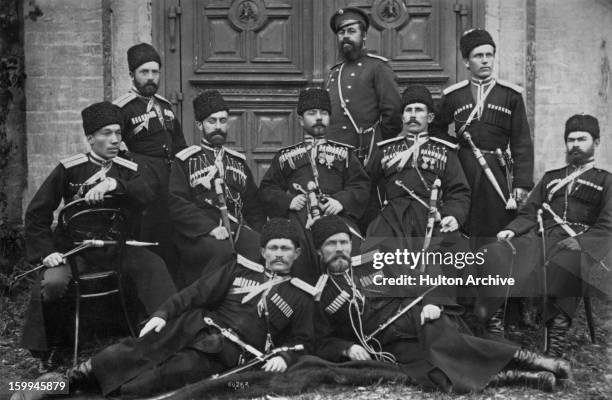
592, 367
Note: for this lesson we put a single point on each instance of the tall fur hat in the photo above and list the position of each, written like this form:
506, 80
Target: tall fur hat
313, 98
140, 54
208, 102
583, 123
279, 228
98, 115
327, 226
474, 38
417, 94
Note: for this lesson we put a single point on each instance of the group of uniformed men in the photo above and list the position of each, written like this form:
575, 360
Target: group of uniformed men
374, 170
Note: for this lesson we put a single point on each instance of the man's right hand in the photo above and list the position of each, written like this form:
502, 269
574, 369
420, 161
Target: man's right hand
219, 233
155, 323
356, 352
53, 260
505, 235
298, 202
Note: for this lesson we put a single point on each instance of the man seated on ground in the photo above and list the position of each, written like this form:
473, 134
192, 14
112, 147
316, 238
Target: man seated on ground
426, 340
262, 305
89, 176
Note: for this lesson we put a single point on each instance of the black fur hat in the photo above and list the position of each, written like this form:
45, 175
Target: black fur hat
327, 226
140, 54
99, 115
313, 98
208, 102
474, 38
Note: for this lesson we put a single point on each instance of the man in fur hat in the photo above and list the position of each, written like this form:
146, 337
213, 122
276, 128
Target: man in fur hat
315, 177
201, 174
427, 339
405, 171
495, 146
365, 99
153, 135
88, 176
492, 112
182, 343
567, 218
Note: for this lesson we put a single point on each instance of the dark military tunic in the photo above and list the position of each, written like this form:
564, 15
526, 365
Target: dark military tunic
153, 135
340, 176
500, 124
586, 204
194, 207
425, 158
440, 348
371, 94
187, 350
69, 181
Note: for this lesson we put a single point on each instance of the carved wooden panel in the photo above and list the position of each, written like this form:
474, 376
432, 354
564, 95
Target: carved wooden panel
247, 36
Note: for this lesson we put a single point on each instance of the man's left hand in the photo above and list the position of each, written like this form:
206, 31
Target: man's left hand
449, 224
332, 206
520, 195
96, 193
275, 364
569, 243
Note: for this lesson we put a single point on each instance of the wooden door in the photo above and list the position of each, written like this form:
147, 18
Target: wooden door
260, 53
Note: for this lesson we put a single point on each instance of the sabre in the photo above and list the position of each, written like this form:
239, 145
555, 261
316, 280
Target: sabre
85, 244
511, 205
433, 212
483, 163
223, 209
401, 312
194, 390
544, 272
559, 221
231, 336
399, 183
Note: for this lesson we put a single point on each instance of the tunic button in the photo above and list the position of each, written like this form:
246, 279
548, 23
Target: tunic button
327, 90
347, 101
332, 79
352, 74
359, 64
344, 127
349, 86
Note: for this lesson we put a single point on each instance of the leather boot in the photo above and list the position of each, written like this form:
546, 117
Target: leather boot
542, 380
556, 335
529, 360
81, 377
495, 325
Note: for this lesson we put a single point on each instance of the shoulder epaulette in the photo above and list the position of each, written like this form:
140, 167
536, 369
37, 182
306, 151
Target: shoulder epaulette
510, 85
377, 56
360, 259
348, 146
384, 142
444, 142
605, 171
456, 86
187, 152
126, 163
123, 100
252, 265
162, 98
235, 153
74, 160
291, 147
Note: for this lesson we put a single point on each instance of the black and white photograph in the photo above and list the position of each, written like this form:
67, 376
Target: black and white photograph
305, 199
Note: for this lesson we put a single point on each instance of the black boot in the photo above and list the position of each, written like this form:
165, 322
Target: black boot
556, 334
81, 377
495, 325
533, 361
542, 380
